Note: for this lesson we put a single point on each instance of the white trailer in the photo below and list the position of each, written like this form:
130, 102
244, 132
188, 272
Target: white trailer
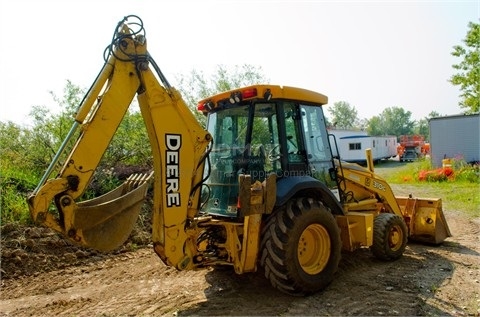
455, 136
384, 147
352, 145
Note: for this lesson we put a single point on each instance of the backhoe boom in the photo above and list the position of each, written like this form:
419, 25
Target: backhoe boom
179, 147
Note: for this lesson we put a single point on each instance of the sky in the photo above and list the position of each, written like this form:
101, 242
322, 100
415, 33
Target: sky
371, 54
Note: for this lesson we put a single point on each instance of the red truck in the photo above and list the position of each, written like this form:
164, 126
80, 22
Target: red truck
412, 147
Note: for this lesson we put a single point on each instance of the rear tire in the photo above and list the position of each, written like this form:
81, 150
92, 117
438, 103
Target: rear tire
301, 247
390, 235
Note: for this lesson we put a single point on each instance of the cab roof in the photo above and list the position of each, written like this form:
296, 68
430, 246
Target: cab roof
262, 92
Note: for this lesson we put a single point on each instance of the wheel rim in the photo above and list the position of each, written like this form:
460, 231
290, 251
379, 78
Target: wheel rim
314, 249
395, 238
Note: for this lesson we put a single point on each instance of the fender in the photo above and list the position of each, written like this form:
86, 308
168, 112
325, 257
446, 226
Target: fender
289, 186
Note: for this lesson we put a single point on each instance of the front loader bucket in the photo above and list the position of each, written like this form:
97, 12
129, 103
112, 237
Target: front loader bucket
425, 219
104, 223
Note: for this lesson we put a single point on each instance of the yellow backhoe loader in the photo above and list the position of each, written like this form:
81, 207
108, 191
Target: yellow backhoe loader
257, 188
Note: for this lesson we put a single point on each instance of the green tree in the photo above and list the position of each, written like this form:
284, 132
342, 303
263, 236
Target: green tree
392, 121
422, 126
197, 86
343, 115
467, 74
434, 114
397, 121
28, 150
50, 129
31, 148
130, 145
12, 137
375, 126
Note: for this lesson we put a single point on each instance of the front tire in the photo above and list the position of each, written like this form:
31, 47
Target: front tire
301, 247
390, 236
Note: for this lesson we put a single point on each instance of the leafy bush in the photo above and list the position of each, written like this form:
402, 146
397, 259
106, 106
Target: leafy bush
457, 170
468, 173
436, 175
14, 189
422, 170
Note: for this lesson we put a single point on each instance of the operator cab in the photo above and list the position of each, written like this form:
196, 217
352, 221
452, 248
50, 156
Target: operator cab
260, 130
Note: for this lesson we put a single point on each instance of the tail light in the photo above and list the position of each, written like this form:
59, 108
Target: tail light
249, 93
205, 106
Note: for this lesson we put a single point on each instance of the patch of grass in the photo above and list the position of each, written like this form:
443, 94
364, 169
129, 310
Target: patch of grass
464, 197
14, 189
460, 192
406, 172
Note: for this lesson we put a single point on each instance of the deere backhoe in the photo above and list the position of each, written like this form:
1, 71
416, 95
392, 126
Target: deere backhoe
258, 188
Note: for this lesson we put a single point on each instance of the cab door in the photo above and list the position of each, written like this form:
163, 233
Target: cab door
317, 145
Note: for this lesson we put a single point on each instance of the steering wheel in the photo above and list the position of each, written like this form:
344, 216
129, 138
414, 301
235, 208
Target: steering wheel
273, 155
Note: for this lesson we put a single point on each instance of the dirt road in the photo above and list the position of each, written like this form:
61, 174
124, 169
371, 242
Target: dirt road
427, 280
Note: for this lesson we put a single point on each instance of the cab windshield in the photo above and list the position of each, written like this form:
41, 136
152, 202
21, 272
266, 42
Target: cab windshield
238, 149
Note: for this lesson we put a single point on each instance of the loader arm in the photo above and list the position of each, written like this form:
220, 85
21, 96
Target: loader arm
365, 191
179, 148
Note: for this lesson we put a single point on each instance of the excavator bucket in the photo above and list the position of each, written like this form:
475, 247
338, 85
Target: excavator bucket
425, 219
104, 223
